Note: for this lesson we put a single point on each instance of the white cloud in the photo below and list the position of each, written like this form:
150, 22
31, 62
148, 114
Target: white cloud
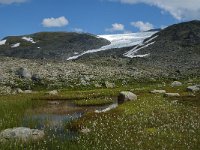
78, 30
179, 9
11, 1
55, 22
116, 27
142, 26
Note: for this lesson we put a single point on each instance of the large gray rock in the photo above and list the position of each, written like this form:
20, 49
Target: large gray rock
176, 83
22, 134
126, 96
171, 95
24, 73
194, 88
158, 92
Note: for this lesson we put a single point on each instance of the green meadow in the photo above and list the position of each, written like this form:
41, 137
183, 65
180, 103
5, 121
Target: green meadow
151, 122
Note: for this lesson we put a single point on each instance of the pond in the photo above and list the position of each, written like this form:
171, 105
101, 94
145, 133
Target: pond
53, 116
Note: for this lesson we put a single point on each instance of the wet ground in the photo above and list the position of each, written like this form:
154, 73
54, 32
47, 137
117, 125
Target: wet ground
53, 116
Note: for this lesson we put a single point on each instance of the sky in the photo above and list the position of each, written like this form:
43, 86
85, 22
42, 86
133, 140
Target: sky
20, 17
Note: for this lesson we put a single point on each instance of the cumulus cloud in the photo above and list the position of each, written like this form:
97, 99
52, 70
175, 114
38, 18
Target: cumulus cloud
55, 22
11, 1
179, 9
142, 26
116, 27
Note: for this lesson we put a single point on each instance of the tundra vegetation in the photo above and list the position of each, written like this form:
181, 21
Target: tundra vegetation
150, 122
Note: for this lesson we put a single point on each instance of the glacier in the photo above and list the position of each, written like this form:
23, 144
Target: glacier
118, 41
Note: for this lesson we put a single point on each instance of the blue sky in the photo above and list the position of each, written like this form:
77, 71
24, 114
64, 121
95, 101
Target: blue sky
20, 17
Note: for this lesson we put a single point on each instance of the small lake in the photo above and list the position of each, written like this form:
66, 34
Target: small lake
53, 116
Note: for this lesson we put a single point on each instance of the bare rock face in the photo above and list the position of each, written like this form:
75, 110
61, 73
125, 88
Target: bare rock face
22, 134
176, 83
171, 95
158, 92
126, 96
194, 88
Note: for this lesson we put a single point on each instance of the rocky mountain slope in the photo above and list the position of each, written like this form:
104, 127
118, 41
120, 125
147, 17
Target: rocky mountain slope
49, 45
174, 51
171, 53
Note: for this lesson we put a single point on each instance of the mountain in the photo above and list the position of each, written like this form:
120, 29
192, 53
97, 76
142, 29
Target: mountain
175, 49
172, 52
49, 45
84, 59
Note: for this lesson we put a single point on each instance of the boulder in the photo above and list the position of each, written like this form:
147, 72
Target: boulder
23, 73
176, 83
126, 96
158, 92
194, 88
109, 85
36, 77
54, 92
19, 91
22, 134
171, 95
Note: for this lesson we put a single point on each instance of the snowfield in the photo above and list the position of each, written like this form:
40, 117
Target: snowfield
118, 41
15, 45
3, 42
28, 39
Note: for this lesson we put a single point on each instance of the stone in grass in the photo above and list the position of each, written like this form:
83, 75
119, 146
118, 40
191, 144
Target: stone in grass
194, 88
126, 96
171, 95
158, 92
54, 92
176, 84
22, 134
109, 85
19, 91
97, 85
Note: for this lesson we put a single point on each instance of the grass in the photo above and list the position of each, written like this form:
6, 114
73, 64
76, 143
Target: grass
151, 122
94, 102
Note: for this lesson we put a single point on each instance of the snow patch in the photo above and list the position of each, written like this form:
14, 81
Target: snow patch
28, 39
15, 45
133, 53
113, 106
3, 42
118, 41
